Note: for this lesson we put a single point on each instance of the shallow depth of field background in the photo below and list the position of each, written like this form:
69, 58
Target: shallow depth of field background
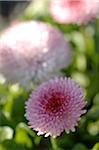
84, 40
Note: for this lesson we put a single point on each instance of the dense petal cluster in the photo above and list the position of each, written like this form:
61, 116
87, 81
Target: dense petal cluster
55, 106
32, 51
74, 11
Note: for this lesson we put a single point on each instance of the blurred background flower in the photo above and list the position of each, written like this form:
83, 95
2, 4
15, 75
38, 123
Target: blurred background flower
74, 11
32, 51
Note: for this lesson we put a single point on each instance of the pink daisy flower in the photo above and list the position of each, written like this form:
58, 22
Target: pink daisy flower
32, 51
74, 11
55, 106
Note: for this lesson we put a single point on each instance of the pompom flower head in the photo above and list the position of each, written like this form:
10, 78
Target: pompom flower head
55, 106
32, 51
74, 11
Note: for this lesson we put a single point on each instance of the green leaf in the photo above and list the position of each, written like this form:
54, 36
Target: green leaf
5, 133
22, 136
93, 128
11, 145
96, 99
93, 113
79, 146
96, 147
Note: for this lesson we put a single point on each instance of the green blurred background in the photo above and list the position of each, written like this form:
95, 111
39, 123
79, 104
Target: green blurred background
84, 40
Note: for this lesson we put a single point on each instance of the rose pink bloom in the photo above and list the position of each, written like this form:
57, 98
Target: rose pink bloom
74, 11
32, 51
55, 106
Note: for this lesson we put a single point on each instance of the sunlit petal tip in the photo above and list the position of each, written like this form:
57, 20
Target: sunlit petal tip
46, 135
73, 129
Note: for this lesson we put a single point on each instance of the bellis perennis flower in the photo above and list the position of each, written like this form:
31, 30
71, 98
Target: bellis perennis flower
32, 51
55, 106
74, 11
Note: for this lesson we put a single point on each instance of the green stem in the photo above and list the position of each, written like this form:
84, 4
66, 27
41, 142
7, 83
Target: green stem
96, 42
54, 143
97, 36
